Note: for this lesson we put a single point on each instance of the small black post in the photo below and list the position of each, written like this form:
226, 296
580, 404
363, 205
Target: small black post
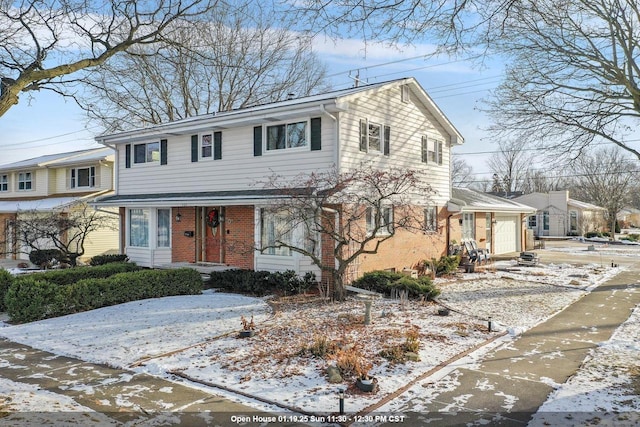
489, 323
341, 396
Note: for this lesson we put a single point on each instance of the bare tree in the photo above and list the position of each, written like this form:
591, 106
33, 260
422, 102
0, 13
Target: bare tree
232, 58
44, 44
573, 73
509, 166
574, 76
65, 231
605, 178
543, 181
351, 213
461, 172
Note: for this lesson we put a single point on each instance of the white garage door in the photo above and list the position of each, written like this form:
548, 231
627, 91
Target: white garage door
507, 234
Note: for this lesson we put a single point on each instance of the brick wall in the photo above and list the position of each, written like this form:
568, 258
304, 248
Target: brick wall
183, 247
3, 234
239, 229
407, 248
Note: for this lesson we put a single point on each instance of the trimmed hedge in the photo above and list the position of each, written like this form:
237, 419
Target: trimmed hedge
72, 275
385, 282
43, 257
6, 279
108, 259
31, 299
261, 282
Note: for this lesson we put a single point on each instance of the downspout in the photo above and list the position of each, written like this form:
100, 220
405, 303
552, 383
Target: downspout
116, 168
337, 122
449, 234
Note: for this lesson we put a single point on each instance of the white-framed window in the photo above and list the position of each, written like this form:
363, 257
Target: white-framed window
146, 153
139, 228
83, 177
532, 222
206, 145
163, 228
383, 218
545, 220
284, 136
573, 221
431, 150
431, 219
468, 225
25, 182
405, 94
4, 182
275, 227
371, 137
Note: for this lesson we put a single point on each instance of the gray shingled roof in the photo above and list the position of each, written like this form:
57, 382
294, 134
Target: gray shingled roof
467, 200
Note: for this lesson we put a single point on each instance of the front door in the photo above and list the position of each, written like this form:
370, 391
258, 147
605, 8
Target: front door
213, 234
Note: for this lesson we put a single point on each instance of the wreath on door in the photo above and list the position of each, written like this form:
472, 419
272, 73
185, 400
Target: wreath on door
213, 218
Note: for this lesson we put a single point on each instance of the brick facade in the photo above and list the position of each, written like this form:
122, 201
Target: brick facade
4, 244
239, 229
184, 248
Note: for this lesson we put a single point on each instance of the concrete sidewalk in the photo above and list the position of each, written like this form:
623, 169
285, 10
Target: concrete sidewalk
123, 397
513, 381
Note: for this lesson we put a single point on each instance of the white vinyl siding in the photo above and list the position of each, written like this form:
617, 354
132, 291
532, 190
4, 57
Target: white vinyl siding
408, 122
239, 169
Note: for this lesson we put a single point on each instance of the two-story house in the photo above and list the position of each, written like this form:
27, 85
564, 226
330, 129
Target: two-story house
55, 182
175, 180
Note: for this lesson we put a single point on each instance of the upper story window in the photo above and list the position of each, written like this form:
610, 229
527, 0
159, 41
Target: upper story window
25, 182
146, 153
374, 137
206, 145
287, 135
405, 97
4, 182
431, 151
83, 177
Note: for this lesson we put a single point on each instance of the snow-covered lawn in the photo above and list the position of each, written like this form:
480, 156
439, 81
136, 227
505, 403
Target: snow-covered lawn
195, 336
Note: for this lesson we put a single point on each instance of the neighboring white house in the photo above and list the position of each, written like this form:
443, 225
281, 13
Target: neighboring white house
175, 178
494, 222
56, 182
558, 215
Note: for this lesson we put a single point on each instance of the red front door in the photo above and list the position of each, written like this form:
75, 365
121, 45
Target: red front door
213, 236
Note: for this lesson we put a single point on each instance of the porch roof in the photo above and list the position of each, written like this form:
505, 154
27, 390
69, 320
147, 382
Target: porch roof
206, 198
40, 205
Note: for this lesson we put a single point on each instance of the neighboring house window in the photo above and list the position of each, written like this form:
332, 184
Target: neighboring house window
206, 146
287, 135
545, 220
275, 228
4, 182
83, 177
139, 228
24, 181
532, 222
431, 218
385, 225
146, 153
468, 225
164, 228
573, 221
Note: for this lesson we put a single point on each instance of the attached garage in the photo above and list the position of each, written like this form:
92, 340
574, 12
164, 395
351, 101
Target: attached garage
507, 234
494, 222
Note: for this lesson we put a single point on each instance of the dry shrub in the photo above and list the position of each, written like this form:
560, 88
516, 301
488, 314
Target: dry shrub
412, 340
351, 362
321, 347
394, 354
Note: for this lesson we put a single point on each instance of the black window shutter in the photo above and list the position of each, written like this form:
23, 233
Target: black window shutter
217, 145
163, 151
257, 141
127, 156
316, 134
387, 139
194, 148
364, 131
